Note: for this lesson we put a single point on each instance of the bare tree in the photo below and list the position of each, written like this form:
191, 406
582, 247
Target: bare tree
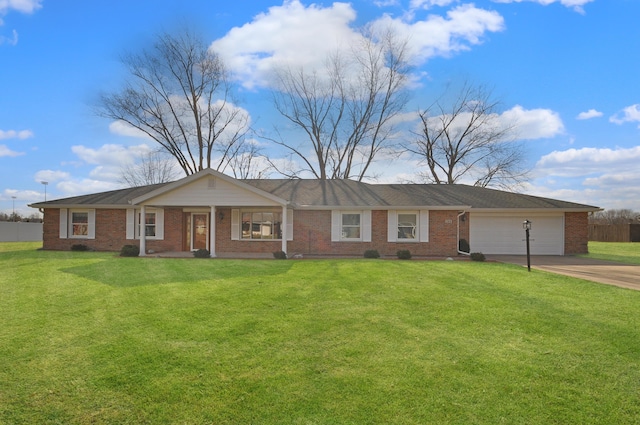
346, 113
154, 167
614, 216
179, 94
467, 139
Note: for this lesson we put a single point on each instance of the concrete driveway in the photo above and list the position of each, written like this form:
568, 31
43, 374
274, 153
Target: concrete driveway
618, 274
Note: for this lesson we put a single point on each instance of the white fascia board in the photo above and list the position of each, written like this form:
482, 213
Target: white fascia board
206, 172
550, 210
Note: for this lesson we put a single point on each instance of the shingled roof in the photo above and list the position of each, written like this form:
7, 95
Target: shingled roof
348, 193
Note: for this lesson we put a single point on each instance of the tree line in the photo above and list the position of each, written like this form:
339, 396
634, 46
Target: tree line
347, 116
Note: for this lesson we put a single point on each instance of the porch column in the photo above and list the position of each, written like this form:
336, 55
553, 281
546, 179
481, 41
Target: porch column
212, 232
283, 226
142, 232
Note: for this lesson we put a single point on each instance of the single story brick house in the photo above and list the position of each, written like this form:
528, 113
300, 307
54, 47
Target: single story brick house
232, 217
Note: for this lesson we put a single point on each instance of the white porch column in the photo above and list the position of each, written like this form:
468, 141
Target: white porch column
283, 227
142, 231
212, 232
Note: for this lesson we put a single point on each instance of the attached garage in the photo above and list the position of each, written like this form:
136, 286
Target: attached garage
500, 233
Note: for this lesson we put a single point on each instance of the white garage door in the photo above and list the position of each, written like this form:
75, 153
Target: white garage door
503, 234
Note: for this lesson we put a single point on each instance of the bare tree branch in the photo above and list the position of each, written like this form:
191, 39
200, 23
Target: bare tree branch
180, 96
346, 112
467, 139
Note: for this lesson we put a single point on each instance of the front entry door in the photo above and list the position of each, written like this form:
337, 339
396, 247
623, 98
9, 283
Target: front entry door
199, 231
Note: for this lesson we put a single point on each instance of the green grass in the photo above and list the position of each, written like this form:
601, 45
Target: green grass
92, 338
623, 252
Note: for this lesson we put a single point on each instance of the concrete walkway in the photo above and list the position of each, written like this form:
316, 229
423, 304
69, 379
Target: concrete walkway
608, 272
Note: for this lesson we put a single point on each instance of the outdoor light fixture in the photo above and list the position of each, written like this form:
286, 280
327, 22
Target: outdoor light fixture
526, 225
220, 215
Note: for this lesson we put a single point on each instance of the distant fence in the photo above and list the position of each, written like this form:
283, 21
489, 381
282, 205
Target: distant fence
614, 232
20, 231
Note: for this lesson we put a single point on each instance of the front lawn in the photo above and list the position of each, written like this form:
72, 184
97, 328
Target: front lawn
92, 338
622, 252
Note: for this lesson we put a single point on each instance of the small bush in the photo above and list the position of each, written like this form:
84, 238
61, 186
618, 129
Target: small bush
202, 253
280, 255
79, 247
463, 246
477, 256
371, 253
130, 251
404, 254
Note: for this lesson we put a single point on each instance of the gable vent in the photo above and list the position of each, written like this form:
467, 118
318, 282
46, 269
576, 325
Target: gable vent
212, 183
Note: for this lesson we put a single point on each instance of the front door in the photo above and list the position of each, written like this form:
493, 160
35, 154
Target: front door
199, 231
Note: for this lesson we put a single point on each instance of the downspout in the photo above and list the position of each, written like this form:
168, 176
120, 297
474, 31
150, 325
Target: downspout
458, 236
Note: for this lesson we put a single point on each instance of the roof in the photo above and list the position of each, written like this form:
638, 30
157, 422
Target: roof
320, 194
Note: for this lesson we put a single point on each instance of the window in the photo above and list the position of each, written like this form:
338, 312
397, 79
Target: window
80, 224
149, 224
351, 226
407, 225
152, 225
261, 225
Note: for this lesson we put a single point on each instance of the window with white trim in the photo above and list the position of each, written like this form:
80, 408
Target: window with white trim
351, 226
407, 226
261, 225
149, 224
79, 224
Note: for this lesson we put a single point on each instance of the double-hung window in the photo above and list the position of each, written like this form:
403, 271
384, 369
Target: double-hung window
79, 224
351, 226
149, 224
407, 226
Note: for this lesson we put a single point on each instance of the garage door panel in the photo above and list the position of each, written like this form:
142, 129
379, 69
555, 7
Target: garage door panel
499, 234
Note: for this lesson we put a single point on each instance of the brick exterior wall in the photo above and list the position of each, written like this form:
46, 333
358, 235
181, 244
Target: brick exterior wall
312, 234
576, 233
111, 232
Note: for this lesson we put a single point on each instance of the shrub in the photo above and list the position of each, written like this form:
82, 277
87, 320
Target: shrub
371, 253
477, 256
79, 247
463, 246
404, 254
130, 251
280, 255
202, 253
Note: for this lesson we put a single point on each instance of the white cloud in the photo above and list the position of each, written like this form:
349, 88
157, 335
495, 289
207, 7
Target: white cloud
534, 124
12, 41
442, 36
585, 161
427, 4
13, 134
296, 35
628, 114
110, 154
23, 6
576, 5
50, 176
84, 186
121, 128
5, 151
591, 113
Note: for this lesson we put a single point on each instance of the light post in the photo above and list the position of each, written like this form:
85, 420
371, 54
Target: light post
527, 226
45, 190
13, 216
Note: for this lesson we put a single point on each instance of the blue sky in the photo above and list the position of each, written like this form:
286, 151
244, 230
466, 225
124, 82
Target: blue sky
566, 69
